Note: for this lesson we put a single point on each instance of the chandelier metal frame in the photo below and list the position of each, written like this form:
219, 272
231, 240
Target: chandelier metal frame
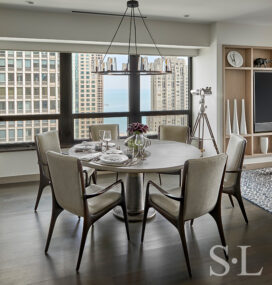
100, 69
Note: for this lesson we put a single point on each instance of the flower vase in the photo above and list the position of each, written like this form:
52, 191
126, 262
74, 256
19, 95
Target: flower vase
228, 124
243, 127
235, 125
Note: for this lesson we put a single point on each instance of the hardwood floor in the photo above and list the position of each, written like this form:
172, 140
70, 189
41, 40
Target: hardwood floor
110, 259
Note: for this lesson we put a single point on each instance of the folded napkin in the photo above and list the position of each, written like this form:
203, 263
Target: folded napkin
90, 156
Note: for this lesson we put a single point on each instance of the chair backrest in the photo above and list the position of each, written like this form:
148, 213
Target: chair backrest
94, 131
236, 153
174, 133
201, 186
44, 143
67, 181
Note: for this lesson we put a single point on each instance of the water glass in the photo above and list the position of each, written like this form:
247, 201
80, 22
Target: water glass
107, 138
101, 135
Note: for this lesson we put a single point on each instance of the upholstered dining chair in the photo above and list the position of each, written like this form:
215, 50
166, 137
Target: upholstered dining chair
173, 133
69, 193
236, 153
200, 194
46, 142
94, 134
94, 131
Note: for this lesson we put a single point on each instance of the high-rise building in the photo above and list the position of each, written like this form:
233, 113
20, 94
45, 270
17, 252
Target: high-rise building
169, 92
88, 92
29, 84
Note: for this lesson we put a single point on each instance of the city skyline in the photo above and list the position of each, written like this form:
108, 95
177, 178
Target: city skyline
29, 84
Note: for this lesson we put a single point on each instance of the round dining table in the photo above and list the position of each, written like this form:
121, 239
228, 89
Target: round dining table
162, 156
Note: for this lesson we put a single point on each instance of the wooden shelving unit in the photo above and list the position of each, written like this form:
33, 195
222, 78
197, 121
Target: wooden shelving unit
238, 84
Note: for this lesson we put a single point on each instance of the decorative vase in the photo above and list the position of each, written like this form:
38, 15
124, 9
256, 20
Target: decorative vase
235, 125
264, 144
228, 124
243, 127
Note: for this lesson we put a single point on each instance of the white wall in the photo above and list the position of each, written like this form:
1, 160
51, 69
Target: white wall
18, 166
205, 74
79, 31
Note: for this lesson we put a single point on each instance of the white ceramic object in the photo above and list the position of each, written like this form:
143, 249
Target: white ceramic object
114, 151
113, 158
243, 127
228, 124
264, 144
235, 124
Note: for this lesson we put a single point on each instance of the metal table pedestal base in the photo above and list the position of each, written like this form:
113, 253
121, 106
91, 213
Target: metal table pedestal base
133, 217
134, 199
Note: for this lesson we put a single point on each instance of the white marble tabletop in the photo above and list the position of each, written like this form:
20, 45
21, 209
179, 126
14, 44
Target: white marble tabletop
164, 156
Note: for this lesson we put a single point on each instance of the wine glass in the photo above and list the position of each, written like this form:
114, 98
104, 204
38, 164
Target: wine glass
107, 138
139, 141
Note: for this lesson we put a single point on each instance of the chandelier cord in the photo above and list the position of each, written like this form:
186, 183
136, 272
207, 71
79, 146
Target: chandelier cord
135, 31
129, 39
115, 35
149, 32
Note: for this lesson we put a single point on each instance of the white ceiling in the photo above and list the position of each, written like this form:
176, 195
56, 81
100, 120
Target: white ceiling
247, 11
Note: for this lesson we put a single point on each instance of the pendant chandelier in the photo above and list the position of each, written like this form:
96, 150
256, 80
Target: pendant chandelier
159, 67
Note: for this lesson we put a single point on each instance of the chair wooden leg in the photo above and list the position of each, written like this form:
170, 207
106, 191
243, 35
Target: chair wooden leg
144, 222
180, 179
160, 179
42, 185
185, 250
117, 176
241, 204
87, 181
93, 177
56, 210
124, 208
231, 201
86, 227
216, 214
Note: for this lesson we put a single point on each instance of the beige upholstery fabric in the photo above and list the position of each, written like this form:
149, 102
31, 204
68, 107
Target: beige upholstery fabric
94, 131
66, 182
202, 185
97, 204
235, 155
168, 205
173, 133
46, 142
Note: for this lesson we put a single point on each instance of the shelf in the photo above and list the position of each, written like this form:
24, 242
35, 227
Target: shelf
260, 155
245, 136
238, 68
238, 83
262, 134
262, 68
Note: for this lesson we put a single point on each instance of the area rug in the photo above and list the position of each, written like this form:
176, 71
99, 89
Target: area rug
256, 187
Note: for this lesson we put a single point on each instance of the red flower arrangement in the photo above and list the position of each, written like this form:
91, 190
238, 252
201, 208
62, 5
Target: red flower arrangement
137, 128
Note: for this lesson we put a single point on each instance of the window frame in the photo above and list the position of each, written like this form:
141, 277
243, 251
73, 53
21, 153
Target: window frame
66, 116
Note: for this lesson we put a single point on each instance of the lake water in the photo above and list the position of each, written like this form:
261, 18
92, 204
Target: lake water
116, 100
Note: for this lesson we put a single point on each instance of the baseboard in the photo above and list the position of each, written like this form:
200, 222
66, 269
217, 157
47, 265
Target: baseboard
20, 178
32, 178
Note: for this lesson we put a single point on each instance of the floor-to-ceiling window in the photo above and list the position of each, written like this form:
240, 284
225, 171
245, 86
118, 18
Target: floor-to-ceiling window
29, 94
30, 101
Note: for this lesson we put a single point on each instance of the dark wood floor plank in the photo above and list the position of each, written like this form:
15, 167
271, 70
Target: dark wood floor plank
110, 259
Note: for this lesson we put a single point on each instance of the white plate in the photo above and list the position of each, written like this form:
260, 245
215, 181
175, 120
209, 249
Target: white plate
81, 147
114, 158
114, 151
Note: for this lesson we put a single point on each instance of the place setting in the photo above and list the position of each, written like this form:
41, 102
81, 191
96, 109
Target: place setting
105, 152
